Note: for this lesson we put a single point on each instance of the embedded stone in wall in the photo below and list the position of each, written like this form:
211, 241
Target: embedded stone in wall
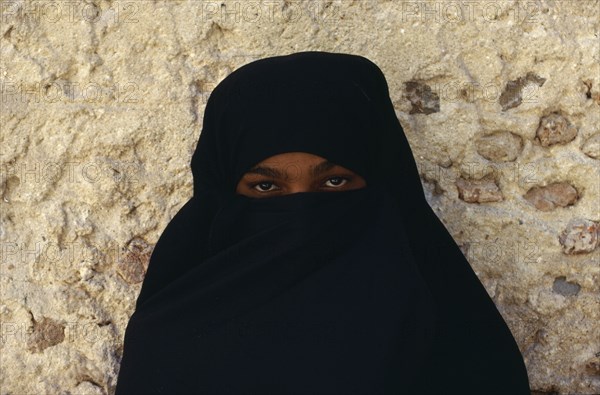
422, 98
500, 146
541, 337
589, 93
593, 366
565, 288
437, 188
89, 388
591, 146
478, 191
512, 96
580, 236
555, 129
445, 163
134, 263
549, 197
46, 333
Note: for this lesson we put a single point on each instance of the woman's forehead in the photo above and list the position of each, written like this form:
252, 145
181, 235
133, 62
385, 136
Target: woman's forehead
281, 164
295, 156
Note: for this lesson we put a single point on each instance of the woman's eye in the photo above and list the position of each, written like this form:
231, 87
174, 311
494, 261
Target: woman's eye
263, 186
267, 186
337, 181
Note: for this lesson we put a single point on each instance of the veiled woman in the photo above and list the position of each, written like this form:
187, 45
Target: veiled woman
308, 260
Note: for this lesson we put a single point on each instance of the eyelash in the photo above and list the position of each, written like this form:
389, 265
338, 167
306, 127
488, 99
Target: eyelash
253, 185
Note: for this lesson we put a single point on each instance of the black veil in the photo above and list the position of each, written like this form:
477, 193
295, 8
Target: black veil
356, 292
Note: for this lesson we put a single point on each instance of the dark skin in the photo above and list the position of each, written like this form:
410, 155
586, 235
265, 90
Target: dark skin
294, 172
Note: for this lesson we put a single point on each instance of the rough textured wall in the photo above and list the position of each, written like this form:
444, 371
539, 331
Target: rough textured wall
102, 103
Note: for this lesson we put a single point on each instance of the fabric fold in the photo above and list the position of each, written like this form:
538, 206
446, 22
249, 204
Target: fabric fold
322, 293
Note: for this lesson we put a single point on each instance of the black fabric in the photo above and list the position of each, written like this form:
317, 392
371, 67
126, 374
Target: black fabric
355, 292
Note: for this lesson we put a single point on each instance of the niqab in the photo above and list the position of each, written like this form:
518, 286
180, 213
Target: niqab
355, 292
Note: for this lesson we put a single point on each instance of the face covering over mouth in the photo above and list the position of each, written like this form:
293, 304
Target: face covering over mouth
349, 292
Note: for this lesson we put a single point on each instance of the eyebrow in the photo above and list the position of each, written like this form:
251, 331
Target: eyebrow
276, 173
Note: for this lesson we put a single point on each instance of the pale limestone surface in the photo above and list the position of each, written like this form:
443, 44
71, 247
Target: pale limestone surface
102, 104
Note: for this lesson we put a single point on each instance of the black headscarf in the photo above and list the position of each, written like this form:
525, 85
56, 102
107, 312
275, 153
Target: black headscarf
355, 292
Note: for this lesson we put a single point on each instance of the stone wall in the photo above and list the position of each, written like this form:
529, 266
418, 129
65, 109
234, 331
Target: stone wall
102, 103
